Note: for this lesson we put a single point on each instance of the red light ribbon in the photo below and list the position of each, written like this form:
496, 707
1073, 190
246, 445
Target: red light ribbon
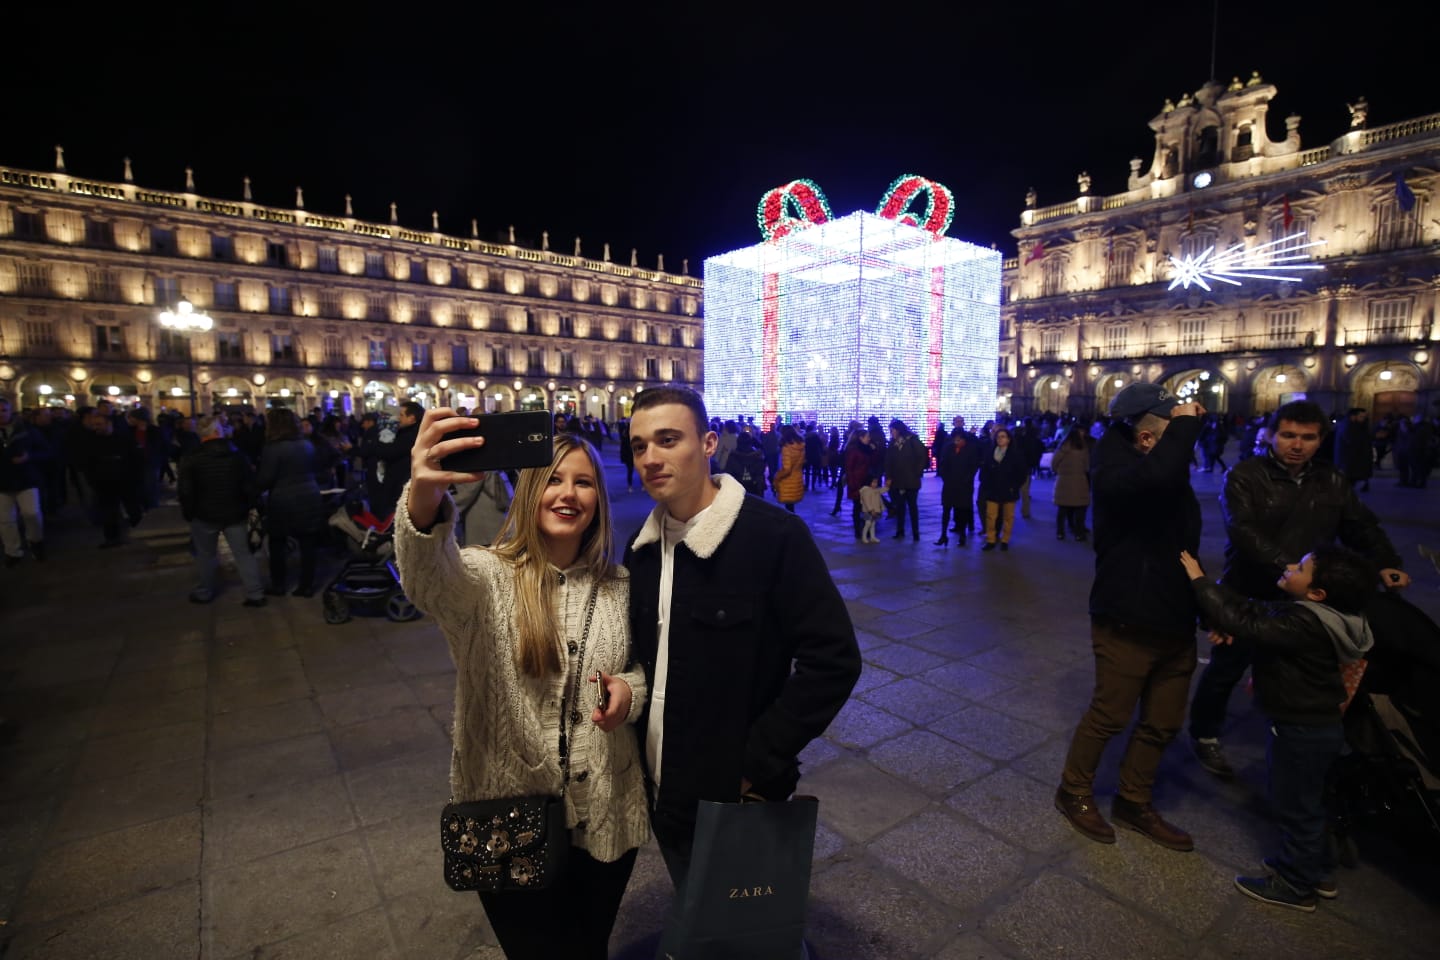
794, 206
801, 203
939, 203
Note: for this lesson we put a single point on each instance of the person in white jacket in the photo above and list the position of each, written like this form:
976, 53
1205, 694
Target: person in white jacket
527, 670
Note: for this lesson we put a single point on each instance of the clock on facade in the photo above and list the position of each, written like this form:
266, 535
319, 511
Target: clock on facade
1201, 180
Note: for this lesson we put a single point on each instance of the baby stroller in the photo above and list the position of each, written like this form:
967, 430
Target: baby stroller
368, 581
1390, 776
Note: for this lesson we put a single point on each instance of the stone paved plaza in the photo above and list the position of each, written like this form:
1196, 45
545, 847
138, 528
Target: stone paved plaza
217, 782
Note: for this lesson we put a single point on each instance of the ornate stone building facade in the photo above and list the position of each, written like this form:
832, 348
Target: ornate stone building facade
316, 310
1095, 298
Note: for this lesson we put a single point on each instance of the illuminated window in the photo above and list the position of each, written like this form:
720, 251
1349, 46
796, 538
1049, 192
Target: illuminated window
100, 233
1121, 266
1281, 326
39, 333
1287, 239
377, 307
33, 279
27, 226
1052, 275
1192, 334
225, 295
334, 351
1389, 321
1396, 229
374, 264
1049, 345
104, 285
1196, 242
328, 260
168, 344
1117, 340
167, 291
534, 361
379, 355
280, 300
282, 348
421, 313
109, 340
857, 316
228, 345
330, 304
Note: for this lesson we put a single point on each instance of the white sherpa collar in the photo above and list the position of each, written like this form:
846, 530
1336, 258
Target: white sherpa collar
707, 535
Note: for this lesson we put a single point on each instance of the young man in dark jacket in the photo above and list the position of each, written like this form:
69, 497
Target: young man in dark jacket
1299, 650
746, 642
1277, 506
216, 488
905, 462
1142, 612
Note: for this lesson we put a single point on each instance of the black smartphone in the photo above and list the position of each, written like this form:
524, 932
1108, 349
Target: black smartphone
513, 441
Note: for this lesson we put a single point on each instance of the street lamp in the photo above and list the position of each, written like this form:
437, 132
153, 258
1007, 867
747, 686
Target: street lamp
186, 320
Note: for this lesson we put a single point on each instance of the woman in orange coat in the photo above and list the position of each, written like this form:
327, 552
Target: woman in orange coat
789, 480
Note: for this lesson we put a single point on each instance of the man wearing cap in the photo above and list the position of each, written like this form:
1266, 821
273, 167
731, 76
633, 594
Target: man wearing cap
1142, 612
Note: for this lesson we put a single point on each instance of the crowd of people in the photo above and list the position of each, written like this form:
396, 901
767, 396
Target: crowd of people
718, 704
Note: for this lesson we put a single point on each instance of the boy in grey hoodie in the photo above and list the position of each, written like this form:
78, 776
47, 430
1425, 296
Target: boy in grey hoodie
1299, 650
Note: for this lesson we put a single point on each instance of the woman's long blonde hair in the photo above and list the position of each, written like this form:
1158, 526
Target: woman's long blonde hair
537, 652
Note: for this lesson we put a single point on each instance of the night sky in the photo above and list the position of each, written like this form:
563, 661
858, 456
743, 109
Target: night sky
659, 128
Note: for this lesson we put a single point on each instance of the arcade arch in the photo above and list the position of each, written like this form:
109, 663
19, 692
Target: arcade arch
1275, 386
1386, 387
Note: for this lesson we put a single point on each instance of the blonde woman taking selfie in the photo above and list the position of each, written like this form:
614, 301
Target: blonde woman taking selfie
529, 622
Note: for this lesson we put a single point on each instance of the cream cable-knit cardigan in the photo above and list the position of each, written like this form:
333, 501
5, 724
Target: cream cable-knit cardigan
507, 724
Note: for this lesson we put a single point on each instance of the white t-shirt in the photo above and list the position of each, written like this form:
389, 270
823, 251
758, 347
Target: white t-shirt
672, 531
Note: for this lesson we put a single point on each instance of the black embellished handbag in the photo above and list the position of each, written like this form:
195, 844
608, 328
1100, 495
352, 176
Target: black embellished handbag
512, 844
515, 843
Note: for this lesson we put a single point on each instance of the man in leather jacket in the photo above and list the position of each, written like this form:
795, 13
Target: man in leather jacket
1277, 507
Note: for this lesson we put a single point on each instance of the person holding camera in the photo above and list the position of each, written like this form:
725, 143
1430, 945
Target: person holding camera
537, 626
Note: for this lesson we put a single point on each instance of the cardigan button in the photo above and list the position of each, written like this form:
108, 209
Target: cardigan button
562, 578
572, 646
584, 775
582, 824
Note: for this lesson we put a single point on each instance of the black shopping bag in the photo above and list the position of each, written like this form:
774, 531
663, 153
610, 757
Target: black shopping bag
745, 895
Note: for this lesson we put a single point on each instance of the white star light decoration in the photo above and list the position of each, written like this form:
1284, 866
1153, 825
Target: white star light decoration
1269, 261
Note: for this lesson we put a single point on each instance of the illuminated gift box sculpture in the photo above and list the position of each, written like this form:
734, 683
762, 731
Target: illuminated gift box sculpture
834, 320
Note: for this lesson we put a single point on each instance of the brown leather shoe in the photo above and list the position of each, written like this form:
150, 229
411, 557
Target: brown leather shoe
1084, 816
1143, 818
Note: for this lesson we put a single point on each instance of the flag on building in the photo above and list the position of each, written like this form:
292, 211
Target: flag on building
1287, 217
1036, 252
1404, 196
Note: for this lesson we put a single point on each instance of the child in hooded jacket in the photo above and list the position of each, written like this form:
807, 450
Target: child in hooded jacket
1300, 648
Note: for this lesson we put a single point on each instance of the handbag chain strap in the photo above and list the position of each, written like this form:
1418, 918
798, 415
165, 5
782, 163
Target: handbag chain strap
570, 702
